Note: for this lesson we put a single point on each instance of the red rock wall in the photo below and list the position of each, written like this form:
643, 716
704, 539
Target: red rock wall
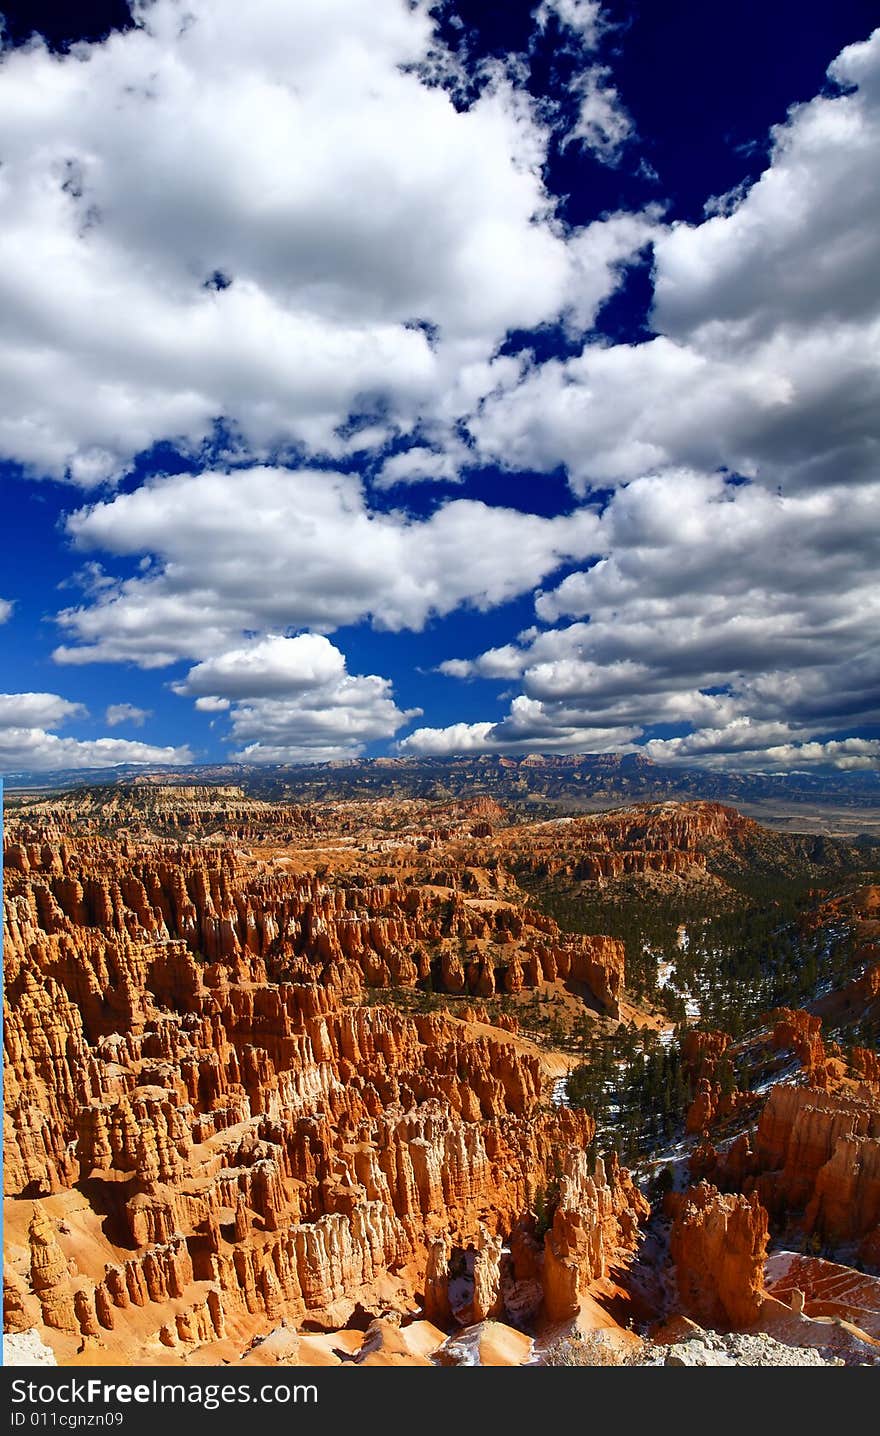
184, 1035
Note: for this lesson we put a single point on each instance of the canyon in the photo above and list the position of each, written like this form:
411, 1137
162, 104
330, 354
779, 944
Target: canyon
279, 1087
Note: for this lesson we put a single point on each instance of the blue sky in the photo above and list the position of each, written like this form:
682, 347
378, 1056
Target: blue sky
424, 379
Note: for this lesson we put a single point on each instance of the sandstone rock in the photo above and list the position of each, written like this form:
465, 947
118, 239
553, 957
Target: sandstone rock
15, 1316
701, 1112
718, 1244
187, 1041
818, 1152
49, 1274
596, 1219
487, 1300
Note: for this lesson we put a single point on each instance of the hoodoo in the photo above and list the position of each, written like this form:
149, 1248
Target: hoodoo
288, 1076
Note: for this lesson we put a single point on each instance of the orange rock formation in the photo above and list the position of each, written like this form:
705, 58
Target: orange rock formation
187, 1041
718, 1244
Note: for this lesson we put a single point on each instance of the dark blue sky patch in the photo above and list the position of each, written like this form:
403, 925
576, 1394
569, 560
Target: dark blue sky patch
702, 86
217, 280
549, 341
61, 23
625, 317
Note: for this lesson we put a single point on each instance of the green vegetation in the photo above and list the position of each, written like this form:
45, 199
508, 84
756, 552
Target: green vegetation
743, 951
737, 948
636, 1090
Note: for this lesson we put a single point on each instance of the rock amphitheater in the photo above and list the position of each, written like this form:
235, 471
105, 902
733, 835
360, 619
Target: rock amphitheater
226, 1141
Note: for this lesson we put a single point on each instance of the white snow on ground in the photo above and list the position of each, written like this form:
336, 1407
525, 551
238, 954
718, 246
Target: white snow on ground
559, 1093
822, 989
27, 1348
777, 1265
461, 1287
677, 1151
664, 979
676, 1161
783, 1078
461, 1292
464, 1349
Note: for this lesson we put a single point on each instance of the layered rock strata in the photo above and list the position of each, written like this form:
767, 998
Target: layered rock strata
719, 1244
187, 1043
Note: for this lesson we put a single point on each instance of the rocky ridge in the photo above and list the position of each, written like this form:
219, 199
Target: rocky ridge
225, 1140
187, 1045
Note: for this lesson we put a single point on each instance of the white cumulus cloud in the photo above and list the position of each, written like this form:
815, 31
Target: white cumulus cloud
768, 320
271, 665
527, 727
283, 218
747, 615
273, 549
28, 745
36, 709
603, 124
583, 17
292, 700
118, 713
416, 466
254, 214
710, 750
